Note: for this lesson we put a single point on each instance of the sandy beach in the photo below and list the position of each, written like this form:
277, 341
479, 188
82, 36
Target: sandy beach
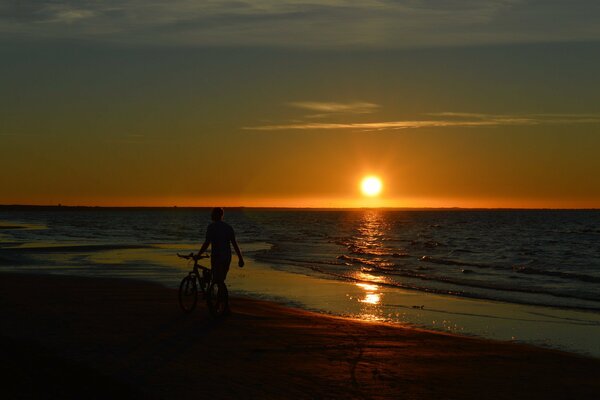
73, 337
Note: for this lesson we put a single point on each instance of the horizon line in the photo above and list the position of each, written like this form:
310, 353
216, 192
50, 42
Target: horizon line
448, 208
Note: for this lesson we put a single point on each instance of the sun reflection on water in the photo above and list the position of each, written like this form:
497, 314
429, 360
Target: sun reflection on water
362, 276
368, 241
371, 295
371, 298
367, 286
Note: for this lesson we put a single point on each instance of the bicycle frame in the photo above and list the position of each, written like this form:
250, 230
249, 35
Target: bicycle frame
204, 283
206, 272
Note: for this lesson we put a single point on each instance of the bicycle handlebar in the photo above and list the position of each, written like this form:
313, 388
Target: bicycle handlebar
191, 256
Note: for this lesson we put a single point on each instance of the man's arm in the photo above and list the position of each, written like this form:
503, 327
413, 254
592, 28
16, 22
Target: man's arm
203, 248
238, 252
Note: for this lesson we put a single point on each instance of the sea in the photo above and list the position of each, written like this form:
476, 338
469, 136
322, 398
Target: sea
523, 275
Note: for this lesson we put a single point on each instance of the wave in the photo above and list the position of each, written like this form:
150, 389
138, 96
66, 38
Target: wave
462, 251
264, 256
364, 252
85, 248
459, 293
518, 269
485, 285
9, 244
367, 262
376, 267
428, 244
558, 274
445, 261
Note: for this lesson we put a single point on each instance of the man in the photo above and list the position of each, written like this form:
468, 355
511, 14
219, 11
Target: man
220, 236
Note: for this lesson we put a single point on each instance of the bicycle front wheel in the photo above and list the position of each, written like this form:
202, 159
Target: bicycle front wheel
217, 299
188, 294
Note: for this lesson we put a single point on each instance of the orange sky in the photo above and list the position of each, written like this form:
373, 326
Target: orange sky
269, 117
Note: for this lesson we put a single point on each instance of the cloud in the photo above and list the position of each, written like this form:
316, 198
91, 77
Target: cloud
304, 23
548, 117
357, 107
452, 120
71, 15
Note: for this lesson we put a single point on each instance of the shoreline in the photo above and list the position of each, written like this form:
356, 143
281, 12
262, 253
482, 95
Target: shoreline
131, 336
558, 328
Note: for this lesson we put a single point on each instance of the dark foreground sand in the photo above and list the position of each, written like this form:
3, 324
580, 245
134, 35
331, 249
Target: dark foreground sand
73, 337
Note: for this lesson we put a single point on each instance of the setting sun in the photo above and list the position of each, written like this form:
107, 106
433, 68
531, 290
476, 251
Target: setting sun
371, 186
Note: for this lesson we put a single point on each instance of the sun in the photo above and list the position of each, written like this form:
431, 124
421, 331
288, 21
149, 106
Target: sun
371, 186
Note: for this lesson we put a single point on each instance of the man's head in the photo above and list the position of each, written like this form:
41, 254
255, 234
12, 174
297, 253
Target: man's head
217, 214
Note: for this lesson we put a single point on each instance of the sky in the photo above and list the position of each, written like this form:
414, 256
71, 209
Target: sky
456, 103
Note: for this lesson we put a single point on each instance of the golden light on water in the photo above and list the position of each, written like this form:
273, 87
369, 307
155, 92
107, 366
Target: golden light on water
370, 296
364, 276
367, 286
371, 186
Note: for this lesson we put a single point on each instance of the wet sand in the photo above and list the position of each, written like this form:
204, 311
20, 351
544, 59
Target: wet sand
73, 337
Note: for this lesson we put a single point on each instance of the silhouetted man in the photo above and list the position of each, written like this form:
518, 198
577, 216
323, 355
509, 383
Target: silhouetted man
220, 237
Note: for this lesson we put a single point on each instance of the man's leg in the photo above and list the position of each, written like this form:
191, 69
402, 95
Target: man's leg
220, 273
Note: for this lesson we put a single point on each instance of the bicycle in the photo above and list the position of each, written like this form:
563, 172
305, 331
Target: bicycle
200, 280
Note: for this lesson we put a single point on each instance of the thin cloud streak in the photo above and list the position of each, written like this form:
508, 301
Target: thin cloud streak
476, 120
504, 116
338, 108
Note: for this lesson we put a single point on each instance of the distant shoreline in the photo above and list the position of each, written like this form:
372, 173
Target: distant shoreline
87, 207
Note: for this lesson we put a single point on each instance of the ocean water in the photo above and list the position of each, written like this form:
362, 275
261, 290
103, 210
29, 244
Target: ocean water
532, 257
476, 265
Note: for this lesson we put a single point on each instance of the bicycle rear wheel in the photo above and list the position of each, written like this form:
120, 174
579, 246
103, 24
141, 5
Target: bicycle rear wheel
217, 299
188, 293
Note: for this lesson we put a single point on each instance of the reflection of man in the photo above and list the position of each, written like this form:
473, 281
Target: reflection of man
219, 235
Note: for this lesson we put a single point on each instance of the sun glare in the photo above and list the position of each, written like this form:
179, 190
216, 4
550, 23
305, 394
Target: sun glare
371, 186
